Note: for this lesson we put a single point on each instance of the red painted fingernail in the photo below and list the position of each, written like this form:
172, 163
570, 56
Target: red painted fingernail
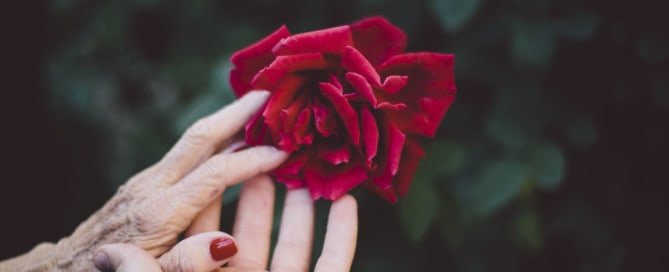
222, 248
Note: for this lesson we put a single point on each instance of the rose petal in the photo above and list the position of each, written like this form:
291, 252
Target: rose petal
301, 128
391, 156
377, 39
346, 112
388, 193
248, 61
395, 145
256, 130
355, 97
335, 81
286, 142
370, 135
334, 155
413, 153
289, 114
268, 77
391, 107
331, 40
283, 95
330, 182
354, 61
360, 84
431, 76
430, 67
393, 84
324, 120
294, 165
292, 182
290, 172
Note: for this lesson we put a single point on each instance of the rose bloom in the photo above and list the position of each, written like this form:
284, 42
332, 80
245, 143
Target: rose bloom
347, 104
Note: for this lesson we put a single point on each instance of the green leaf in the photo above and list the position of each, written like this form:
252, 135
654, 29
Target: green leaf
451, 221
533, 44
418, 208
499, 183
443, 157
548, 166
516, 118
454, 14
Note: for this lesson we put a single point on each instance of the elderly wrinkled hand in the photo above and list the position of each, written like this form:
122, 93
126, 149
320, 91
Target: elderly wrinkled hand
250, 253
179, 194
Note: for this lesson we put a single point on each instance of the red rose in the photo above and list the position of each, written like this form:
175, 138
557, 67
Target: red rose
346, 103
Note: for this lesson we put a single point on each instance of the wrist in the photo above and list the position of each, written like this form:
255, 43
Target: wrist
40, 258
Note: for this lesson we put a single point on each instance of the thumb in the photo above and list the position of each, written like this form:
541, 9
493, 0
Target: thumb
124, 258
202, 252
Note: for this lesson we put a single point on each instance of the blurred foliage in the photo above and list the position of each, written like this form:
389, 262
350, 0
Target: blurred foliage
557, 101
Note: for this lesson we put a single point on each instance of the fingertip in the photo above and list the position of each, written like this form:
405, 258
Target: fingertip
102, 262
123, 257
269, 155
257, 95
222, 248
202, 252
347, 202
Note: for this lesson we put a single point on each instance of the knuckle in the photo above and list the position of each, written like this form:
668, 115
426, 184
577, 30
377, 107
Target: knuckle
149, 219
142, 221
217, 167
199, 133
130, 188
178, 261
170, 174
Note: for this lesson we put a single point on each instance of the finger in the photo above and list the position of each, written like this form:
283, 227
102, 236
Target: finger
340, 237
293, 248
209, 219
237, 269
253, 223
203, 137
203, 252
208, 181
124, 258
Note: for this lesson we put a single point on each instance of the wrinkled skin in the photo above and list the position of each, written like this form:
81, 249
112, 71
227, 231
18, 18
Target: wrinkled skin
347, 104
293, 245
157, 205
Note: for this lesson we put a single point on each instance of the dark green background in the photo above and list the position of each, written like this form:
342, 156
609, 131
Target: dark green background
551, 158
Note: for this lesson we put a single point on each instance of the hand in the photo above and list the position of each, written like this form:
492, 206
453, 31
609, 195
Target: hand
202, 252
252, 230
155, 206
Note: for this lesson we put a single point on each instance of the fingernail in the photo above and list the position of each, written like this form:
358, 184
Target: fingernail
276, 153
233, 147
102, 263
222, 248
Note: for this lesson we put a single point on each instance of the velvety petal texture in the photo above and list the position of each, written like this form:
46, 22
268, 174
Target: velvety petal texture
347, 103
